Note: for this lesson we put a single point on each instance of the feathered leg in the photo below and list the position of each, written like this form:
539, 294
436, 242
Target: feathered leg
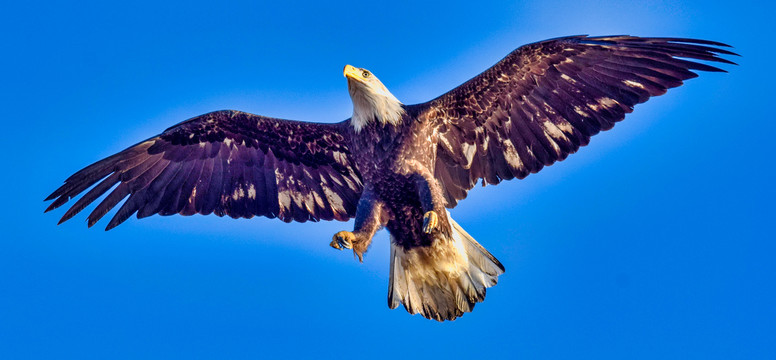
431, 197
370, 217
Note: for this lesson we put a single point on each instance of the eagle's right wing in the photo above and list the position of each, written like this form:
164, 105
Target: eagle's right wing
545, 100
227, 163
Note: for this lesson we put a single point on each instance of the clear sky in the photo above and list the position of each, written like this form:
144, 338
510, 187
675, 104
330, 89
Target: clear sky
655, 241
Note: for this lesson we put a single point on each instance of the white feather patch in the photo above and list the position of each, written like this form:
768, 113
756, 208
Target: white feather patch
373, 102
444, 280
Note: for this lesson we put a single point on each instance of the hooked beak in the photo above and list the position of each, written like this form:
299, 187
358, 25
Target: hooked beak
351, 72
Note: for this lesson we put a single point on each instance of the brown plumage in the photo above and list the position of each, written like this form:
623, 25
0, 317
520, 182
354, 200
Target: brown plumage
393, 165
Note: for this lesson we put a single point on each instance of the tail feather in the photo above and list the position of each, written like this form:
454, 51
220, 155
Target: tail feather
444, 280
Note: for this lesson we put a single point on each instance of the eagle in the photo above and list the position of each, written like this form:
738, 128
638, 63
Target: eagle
396, 166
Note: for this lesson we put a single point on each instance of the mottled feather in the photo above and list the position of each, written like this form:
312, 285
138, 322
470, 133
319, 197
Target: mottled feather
227, 163
545, 100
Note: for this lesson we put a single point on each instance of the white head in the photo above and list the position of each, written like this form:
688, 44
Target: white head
371, 100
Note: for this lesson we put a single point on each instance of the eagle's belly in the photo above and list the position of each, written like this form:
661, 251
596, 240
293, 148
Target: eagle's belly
399, 196
396, 188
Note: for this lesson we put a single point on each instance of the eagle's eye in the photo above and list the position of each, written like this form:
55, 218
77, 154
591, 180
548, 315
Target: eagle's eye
365, 74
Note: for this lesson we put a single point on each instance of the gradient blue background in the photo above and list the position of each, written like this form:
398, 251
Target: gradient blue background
656, 241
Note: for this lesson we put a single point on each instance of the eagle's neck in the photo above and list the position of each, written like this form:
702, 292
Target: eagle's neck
374, 107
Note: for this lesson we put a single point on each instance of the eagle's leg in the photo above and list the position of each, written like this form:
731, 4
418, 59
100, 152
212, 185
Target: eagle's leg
370, 217
431, 199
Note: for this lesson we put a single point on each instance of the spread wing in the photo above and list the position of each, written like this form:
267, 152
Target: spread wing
227, 163
545, 100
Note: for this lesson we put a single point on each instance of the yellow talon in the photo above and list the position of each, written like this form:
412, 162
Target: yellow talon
430, 222
343, 240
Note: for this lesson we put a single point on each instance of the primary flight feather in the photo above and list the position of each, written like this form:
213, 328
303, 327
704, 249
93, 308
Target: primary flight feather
393, 165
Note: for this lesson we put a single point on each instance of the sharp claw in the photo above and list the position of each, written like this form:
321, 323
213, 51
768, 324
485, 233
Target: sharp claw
342, 240
335, 244
430, 222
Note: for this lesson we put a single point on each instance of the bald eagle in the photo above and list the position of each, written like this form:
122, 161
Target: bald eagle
393, 165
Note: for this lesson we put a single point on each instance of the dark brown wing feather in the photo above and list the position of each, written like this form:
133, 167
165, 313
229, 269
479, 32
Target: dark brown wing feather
227, 163
545, 100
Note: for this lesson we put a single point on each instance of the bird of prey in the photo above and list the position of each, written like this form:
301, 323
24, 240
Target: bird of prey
397, 166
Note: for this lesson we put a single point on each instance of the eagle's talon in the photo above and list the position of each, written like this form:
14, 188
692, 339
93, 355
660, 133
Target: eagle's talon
335, 244
430, 222
343, 240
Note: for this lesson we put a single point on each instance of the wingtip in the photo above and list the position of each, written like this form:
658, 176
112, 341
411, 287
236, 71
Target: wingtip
112, 224
702, 41
59, 191
68, 215
724, 61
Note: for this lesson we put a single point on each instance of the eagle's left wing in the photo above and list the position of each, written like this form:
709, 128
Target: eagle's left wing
545, 100
227, 163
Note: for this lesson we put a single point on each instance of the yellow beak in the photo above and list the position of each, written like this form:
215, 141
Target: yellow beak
351, 72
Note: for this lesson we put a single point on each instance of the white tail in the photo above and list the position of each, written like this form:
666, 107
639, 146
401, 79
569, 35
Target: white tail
444, 280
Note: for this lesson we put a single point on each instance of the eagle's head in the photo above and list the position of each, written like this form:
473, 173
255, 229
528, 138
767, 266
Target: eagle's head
371, 100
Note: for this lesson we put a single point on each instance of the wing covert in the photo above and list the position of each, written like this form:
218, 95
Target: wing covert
226, 163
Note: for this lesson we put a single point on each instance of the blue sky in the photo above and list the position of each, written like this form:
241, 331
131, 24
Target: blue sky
655, 241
